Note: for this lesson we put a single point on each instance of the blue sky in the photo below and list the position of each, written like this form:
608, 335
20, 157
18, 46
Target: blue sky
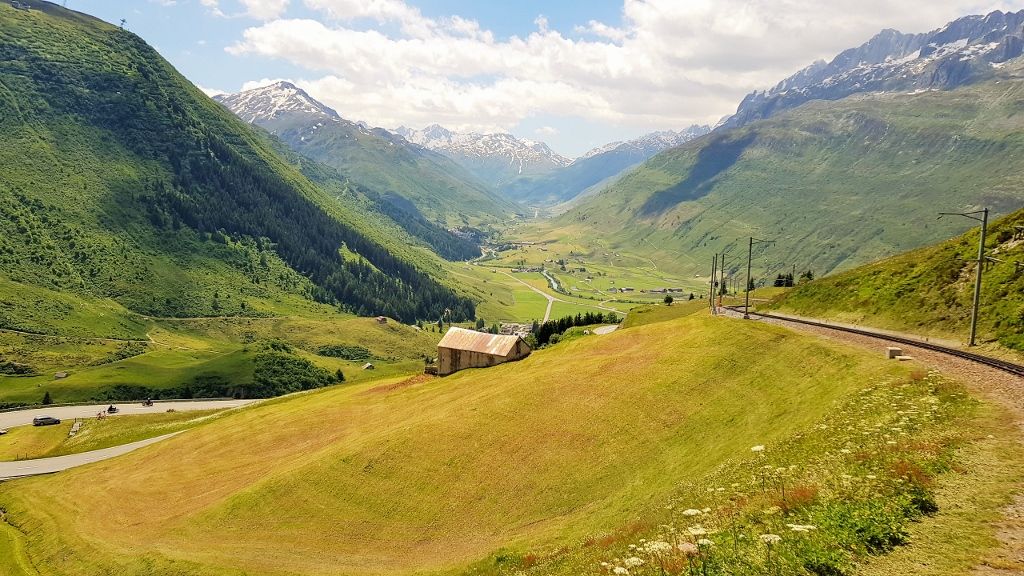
573, 74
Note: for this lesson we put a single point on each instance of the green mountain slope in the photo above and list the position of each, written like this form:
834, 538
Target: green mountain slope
930, 290
122, 180
836, 184
380, 161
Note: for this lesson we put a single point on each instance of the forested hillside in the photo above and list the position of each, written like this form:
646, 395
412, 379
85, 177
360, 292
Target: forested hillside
123, 180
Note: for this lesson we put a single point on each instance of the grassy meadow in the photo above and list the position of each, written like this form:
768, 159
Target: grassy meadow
25, 442
594, 437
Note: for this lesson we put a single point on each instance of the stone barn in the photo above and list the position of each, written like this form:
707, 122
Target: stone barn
460, 349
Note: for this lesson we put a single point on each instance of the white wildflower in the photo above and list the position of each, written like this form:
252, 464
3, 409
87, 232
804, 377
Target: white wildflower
770, 539
758, 448
633, 562
691, 512
657, 547
620, 571
688, 549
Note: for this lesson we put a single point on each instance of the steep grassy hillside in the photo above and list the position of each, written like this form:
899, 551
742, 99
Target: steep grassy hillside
122, 181
396, 219
929, 291
588, 436
836, 184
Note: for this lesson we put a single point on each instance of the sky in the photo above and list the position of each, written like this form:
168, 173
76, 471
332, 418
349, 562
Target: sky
574, 74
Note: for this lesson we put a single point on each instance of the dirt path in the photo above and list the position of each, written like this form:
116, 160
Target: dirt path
991, 384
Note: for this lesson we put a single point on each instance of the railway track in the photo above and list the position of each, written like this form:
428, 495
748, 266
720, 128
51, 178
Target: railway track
1003, 365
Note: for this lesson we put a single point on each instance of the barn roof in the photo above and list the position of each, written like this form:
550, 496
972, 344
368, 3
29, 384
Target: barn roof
473, 341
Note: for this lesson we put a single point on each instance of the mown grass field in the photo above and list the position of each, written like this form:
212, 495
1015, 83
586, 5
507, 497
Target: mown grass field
25, 442
395, 478
507, 297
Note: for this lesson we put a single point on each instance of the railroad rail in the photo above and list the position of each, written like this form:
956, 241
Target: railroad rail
1003, 365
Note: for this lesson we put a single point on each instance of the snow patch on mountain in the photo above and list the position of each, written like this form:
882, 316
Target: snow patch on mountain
650, 144
963, 51
520, 155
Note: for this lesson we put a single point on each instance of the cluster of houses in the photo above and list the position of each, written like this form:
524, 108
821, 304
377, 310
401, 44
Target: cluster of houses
650, 291
527, 269
514, 329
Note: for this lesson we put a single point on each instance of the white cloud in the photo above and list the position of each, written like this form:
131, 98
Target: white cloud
668, 64
211, 92
546, 131
258, 9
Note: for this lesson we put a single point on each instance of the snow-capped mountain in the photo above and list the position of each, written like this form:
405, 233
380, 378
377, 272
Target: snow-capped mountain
650, 144
374, 158
961, 52
268, 103
496, 158
602, 164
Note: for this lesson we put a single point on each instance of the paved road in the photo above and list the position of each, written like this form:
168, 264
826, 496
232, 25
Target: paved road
602, 330
24, 417
20, 469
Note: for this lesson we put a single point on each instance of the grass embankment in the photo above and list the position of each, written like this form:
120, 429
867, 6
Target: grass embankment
588, 435
929, 291
26, 442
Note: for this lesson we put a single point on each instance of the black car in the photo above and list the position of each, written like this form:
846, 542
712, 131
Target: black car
45, 421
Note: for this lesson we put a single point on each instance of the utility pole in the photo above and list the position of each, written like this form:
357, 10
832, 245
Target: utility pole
711, 291
723, 287
981, 264
750, 254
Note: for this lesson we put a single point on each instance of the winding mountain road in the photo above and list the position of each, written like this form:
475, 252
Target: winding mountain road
24, 417
23, 468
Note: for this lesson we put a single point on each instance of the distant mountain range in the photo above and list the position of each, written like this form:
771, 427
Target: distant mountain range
530, 172
842, 163
412, 176
459, 178
596, 167
964, 51
494, 158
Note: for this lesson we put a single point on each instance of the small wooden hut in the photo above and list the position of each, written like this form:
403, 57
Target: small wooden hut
461, 349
